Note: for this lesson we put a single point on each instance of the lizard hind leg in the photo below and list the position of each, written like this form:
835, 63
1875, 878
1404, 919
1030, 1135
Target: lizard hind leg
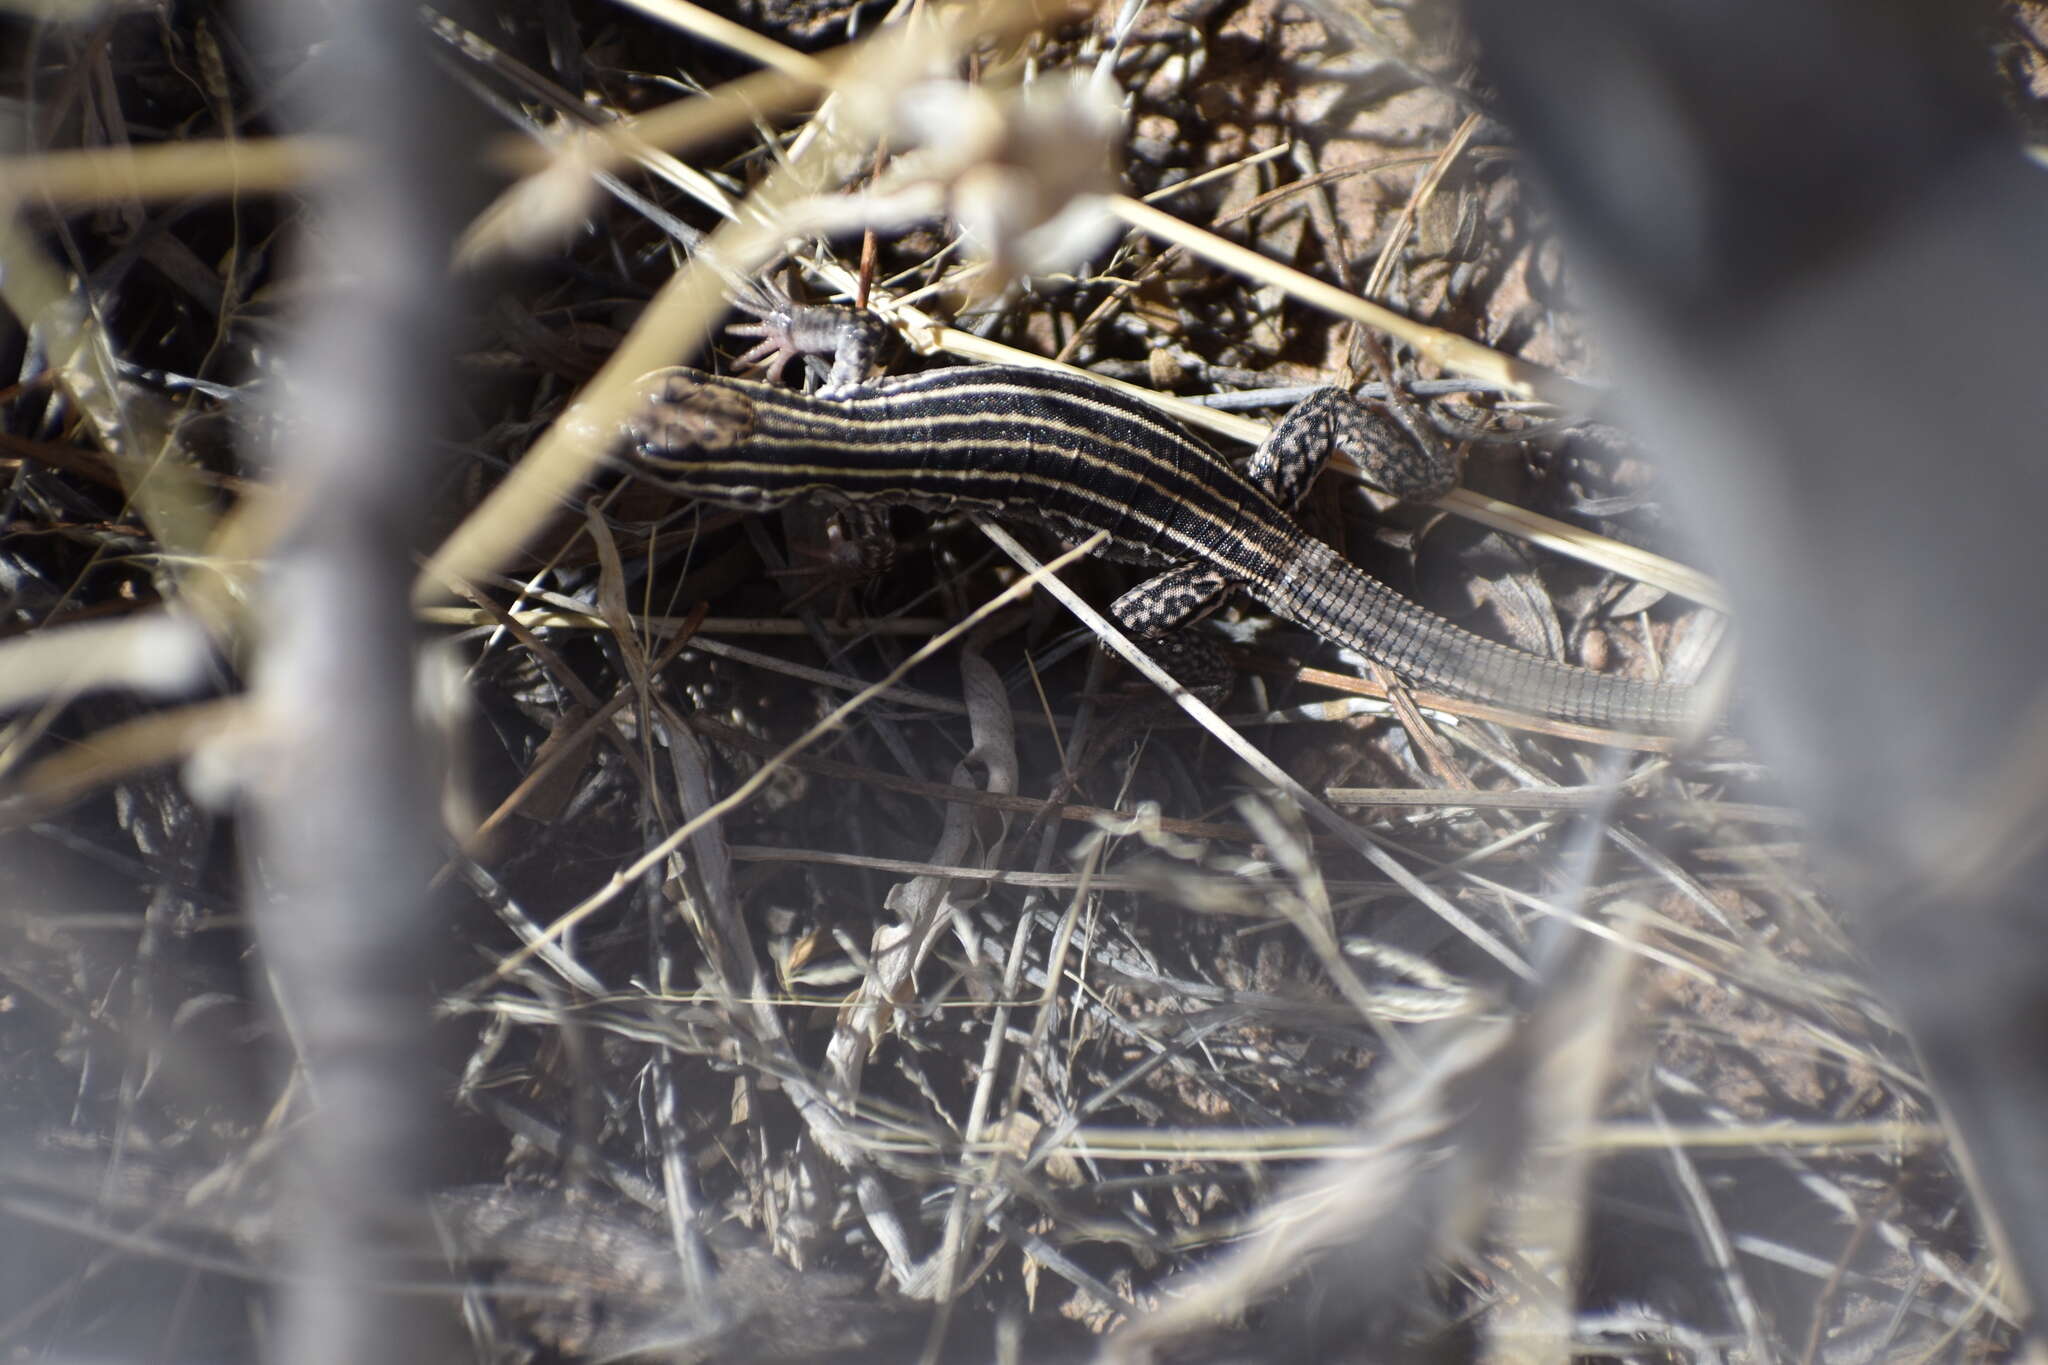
1166, 602
1331, 421
1158, 612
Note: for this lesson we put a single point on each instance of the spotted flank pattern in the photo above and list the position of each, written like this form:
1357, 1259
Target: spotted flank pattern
1057, 449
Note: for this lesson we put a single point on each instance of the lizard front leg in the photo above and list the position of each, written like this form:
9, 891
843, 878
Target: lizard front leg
790, 331
849, 545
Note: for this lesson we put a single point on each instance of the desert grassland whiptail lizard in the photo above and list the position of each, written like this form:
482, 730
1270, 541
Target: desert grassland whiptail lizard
1042, 446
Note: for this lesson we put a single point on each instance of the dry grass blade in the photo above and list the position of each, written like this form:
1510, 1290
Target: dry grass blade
1455, 353
118, 752
675, 323
1543, 1220
740, 795
156, 471
1393, 1186
1576, 542
176, 170
150, 653
1334, 823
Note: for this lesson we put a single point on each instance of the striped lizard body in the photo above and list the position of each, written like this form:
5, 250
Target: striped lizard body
1049, 447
